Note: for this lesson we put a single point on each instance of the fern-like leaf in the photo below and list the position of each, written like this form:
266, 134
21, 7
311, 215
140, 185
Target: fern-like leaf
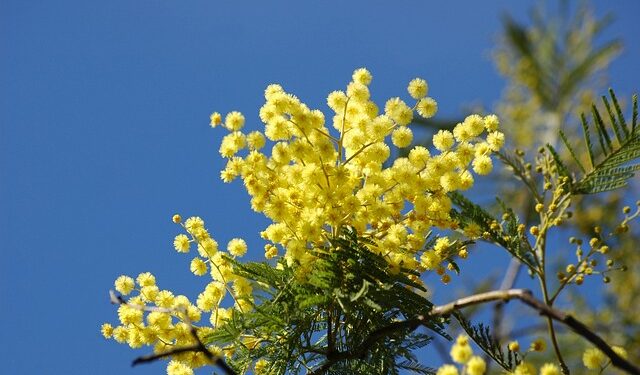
612, 167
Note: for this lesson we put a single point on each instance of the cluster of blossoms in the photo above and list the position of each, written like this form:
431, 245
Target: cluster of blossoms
169, 319
316, 180
311, 185
462, 354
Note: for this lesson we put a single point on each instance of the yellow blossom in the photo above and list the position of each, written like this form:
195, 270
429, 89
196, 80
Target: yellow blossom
418, 88
550, 369
476, 366
237, 247
593, 359
124, 284
106, 330
525, 368
447, 370
427, 107
198, 266
181, 243
216, 119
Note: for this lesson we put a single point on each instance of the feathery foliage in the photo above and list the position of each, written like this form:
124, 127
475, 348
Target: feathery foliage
612, 166
337, 315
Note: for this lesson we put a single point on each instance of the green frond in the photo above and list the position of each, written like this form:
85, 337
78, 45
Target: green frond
619, 113
614, 123
564, 139
416, 367
603, 135
587, 139
612, 167
562, 169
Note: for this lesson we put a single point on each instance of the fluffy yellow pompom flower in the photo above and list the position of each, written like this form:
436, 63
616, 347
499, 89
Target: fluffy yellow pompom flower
124, 284
337, 101
176, 218
255, 140
106, 330
427, 107
146, 279
215, 119
495, 140
234, 121
418, 88
593, 359
476, 366
443, 140
362, 76
402, 137
178, 368
181, 243
482, 165
525, 368
447, 370
549, 369
198, 266
461, 351
491, 122
237, 247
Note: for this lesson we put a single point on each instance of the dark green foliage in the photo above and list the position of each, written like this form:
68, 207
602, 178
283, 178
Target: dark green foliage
613, 166
482, 336
336, 316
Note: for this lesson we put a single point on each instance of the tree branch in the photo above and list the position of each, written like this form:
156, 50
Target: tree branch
498, 295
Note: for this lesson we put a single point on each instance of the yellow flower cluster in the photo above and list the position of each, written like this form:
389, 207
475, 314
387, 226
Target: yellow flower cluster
462, 353
312, 183
166, 324
169, 317
318, 178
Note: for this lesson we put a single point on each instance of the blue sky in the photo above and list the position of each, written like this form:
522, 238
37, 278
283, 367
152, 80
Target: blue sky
103, 134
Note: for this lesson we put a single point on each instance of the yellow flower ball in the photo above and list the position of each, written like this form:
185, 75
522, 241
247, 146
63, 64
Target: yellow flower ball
124, 284
402, 137
427, 107
550, 369
447, 370
418, 88
593, 359
237, 247
476, 366
181, 243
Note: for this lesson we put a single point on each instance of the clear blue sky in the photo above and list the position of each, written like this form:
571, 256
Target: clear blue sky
103, 134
